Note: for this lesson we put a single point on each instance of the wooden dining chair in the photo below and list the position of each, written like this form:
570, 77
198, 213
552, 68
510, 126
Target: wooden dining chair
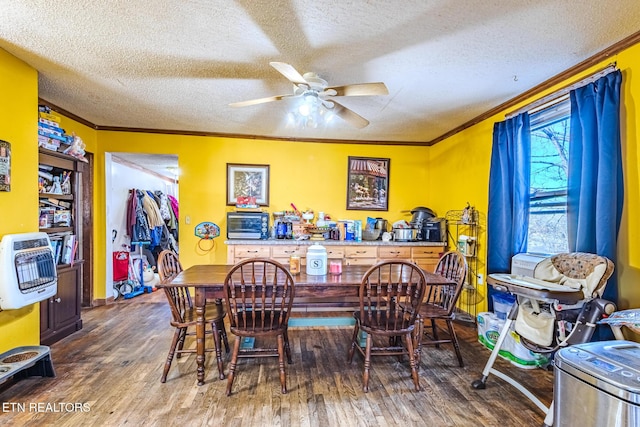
259, 295
168, 265
183, 315
440, 301
390, 296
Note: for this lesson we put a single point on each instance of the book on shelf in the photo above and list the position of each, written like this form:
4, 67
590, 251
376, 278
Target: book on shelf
50, 135
56, 246
73, 252
47, 203
52, 117
48, 122
53, 128
68, 243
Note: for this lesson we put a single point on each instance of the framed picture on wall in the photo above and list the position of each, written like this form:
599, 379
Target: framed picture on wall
5, 166
247, 185
368, 184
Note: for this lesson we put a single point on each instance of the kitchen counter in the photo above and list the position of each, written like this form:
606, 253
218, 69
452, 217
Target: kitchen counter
286, 242
349, 252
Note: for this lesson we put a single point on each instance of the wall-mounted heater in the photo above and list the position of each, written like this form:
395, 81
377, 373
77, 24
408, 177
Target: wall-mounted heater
27, 270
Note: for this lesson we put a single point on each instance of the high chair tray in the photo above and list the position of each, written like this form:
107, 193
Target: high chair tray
534, 288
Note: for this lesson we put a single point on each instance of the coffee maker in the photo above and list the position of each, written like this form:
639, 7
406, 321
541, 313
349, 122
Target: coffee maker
381, 224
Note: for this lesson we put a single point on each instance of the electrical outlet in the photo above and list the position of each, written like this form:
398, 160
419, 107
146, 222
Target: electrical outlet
480, 279
187, 219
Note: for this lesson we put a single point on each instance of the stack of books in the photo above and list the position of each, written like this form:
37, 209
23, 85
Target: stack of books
50, 135
65, 247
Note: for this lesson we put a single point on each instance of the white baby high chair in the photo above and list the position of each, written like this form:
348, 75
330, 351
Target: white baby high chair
558, 307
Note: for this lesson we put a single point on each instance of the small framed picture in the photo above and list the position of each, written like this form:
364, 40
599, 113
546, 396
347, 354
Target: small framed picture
5, 166
247, 185
368, 184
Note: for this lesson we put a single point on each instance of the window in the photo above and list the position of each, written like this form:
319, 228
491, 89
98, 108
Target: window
550, 128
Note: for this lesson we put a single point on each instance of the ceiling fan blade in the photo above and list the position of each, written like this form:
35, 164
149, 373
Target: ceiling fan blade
348, 115
359, 89
289, 72
261, 100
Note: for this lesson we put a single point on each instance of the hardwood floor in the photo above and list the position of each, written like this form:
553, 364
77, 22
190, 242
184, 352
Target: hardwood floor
108, 374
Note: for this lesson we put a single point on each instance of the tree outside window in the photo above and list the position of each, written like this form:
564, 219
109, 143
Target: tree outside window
550, 130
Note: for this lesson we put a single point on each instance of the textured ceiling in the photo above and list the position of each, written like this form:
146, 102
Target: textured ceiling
176, 65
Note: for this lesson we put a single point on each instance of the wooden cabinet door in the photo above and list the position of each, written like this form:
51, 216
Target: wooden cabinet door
60, 314
427, 257
361, 251
426, 264
360, 255
394, 252
335, 252
67, 300
244, 252
282, 253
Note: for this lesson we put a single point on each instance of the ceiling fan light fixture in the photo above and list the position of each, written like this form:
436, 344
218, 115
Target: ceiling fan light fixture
310, 103
313, 92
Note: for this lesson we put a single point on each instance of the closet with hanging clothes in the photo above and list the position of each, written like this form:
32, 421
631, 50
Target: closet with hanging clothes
152, 221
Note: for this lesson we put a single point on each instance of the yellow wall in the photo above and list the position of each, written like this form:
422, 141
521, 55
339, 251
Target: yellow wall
19, 207
310, 175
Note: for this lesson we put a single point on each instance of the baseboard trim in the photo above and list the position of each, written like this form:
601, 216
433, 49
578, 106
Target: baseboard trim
103, 301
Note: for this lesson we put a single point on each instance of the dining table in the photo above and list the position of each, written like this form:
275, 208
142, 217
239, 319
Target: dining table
207, 280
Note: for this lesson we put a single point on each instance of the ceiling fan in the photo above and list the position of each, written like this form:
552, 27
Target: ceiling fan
316, 91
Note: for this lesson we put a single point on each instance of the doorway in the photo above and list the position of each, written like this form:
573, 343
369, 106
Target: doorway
125, 172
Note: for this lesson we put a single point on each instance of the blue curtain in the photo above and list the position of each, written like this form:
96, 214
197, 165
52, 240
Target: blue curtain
595, 186
508, 210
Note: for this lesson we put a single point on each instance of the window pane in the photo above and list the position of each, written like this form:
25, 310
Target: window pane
549, 162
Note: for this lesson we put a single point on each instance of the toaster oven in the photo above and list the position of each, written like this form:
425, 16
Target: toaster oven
248, 225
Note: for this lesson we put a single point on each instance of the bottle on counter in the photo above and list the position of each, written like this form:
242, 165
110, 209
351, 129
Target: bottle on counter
357, 230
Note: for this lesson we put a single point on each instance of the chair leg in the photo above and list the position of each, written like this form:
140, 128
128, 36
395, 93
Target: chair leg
367, 364
287, 348
217, 345
283, 373
232, 364
183, 335
412, 361
434, 331
223, 334
172, 350
354, 342
417, 340
454, 340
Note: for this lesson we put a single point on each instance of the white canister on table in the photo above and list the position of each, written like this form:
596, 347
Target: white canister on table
316, 260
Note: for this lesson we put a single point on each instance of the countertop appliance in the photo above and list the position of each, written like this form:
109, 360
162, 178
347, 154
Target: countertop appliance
248, 225
420, 214
597, 384
405, 234
433, 230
